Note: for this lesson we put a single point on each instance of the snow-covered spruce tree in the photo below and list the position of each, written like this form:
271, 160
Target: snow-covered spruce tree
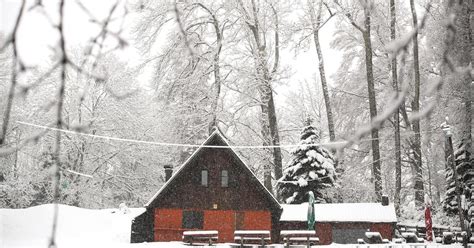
310, 169
465, 172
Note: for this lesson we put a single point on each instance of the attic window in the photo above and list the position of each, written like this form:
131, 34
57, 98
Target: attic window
204, 178
225, 178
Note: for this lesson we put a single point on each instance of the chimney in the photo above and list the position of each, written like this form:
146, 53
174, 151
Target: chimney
385, 200
168, 172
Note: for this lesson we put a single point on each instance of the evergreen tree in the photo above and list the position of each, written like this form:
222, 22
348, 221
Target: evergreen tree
310, 169
465, 170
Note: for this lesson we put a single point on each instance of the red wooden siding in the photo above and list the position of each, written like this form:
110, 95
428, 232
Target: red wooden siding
384, 229
168, 224
222, 221
324, 232
257, 220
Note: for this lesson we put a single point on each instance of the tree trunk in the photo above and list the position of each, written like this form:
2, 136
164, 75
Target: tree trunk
268, 117
216, 65
396, 116
376, 164
416, 144
316, 22
273, 122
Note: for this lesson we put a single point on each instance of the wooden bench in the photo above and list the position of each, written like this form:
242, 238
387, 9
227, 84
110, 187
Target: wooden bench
200, 236
260, 236
307, 237
410, 237
448, 238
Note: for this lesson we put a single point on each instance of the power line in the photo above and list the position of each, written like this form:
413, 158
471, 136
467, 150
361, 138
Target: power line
194, 145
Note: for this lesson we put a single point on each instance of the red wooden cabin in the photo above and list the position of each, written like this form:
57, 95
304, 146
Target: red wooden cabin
213, 190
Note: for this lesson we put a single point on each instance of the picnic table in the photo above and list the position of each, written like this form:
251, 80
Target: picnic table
252, 235
299, 236
206, 236
375, 238
448, 238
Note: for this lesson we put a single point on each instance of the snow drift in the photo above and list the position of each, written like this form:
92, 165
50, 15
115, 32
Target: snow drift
31, 227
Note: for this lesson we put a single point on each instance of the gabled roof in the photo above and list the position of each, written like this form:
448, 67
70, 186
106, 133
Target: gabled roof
216, 134
341, 212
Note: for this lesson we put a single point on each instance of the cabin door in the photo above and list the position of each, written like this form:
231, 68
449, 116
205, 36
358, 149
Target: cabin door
222, 221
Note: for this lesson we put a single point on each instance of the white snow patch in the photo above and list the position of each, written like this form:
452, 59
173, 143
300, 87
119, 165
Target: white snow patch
311, 154
328, 166
31, 227
320, 158
302, 182
341, 212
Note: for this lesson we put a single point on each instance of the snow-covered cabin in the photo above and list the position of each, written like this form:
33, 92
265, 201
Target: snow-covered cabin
215, 190
342, 223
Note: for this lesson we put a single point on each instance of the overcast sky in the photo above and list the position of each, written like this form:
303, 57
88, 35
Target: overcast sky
36, 36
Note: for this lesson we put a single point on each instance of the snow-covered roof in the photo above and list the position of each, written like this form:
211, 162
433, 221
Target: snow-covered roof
341, 212
215, 133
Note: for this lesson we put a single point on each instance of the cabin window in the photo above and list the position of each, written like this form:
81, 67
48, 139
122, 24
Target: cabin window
225, 178
204, 177
192, 219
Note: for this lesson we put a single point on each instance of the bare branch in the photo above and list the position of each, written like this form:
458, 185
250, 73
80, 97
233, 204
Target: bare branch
181, 29
11, 93
57, 150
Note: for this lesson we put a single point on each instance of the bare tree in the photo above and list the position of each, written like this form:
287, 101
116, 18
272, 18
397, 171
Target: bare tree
416, 144
265, 76
365, 31
12, 39
316, 25
396, 116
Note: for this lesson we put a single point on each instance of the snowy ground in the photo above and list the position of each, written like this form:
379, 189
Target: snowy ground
79, 227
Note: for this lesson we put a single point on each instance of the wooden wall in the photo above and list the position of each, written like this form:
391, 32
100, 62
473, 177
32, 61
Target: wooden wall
324, 230
168, 223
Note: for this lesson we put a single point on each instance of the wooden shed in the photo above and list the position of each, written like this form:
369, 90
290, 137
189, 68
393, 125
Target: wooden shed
342, 223
213, 190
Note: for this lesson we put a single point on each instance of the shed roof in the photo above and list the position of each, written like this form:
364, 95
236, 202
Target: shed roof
216, 134
341, 212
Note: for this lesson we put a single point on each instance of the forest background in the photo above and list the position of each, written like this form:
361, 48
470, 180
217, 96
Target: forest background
377, 78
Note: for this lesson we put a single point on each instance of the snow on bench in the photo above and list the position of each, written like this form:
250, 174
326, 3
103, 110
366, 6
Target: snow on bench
410, 237
375, 238
299, 236
252, 235
397, 240
209, 236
